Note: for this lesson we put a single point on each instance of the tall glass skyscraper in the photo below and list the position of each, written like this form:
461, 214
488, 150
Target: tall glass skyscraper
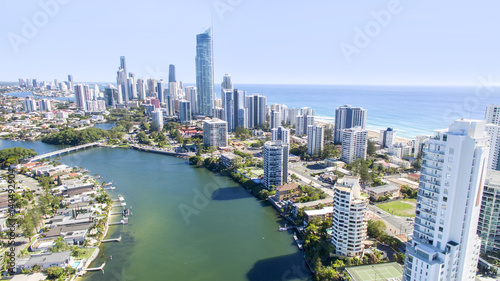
205, 73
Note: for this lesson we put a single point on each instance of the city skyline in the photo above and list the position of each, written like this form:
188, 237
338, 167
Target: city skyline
414, 45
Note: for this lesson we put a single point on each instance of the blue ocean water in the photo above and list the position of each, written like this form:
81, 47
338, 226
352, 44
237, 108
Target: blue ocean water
411, 110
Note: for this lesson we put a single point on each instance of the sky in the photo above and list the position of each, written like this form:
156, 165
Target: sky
387, 42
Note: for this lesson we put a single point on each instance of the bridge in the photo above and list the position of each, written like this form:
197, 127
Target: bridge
159, 150
64, 151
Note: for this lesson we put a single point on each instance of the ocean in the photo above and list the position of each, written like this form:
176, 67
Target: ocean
410, 110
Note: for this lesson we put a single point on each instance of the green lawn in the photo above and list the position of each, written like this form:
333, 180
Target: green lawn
249, 142
399, 208
88, 253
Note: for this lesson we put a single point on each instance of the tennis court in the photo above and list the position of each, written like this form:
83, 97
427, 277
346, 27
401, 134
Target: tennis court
377, 272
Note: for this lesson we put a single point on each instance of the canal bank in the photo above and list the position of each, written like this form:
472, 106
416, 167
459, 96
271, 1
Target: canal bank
188, 223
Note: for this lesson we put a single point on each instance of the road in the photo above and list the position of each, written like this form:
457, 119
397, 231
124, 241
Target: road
395, 224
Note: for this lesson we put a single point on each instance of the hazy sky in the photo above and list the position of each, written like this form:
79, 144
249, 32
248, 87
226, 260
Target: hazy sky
277, 41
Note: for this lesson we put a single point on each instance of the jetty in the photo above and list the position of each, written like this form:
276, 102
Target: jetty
64, 151
112, 240
285, 228
96, 268
299, 242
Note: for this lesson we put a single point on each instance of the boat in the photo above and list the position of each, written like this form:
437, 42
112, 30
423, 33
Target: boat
123, 204
120, 198
112, 187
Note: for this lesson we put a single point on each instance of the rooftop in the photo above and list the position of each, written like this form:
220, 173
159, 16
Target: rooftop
288, 186
320, 212
493, 178
52, 258
383, 188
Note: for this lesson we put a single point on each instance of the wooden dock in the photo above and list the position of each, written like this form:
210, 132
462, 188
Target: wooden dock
112, 240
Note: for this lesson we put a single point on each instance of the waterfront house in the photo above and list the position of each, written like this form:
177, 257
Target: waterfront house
286, 191
322, 214
45, 261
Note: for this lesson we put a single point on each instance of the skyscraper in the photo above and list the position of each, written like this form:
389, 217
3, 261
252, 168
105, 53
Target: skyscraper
111, 96
160, 88
171, 74
303, 121
348, 218
281, 134
193, 98
494, 157
256, 105
387, 137
122, 80
354, 144
275, 163
234, 111
205, 73
132, 88
215, 133
157, 118
493, 114
184, 111
315, 139
347, 117
227, 82
445, 245
82, 95
488, 227
141, 89
275, 119
30, 104
493, 129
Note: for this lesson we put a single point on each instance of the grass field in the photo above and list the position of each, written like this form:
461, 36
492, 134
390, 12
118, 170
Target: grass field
386, 271
405, 208
249, 142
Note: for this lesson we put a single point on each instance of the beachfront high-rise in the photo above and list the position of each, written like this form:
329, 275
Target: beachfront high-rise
315, 139
493, 128
346, 117
111, 96
445, 245
234, 109
354, 144
303, 120
192, 97
349, 217
494, 157
256, 105
488, 227
205, 73
387, 137
275, 119
171, 74
493, 114
275, 163
227, 82
281, 134
215, 133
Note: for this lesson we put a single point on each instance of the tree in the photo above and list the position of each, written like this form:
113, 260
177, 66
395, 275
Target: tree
12, 155
371, 149
417, 164
54, 272
375, 229
59, 245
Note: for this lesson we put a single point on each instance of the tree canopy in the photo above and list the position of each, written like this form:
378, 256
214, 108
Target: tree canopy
14, 154
73, 137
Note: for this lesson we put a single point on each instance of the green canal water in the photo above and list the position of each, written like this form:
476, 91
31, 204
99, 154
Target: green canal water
187, 223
